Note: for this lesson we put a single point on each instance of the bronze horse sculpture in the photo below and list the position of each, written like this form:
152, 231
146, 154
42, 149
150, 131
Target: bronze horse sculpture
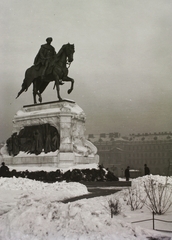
57, 71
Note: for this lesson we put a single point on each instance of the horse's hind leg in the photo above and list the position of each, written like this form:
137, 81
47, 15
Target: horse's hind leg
40, 97
34, 92
58, 88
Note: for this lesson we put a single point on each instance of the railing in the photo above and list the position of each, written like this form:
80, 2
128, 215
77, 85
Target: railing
153, 219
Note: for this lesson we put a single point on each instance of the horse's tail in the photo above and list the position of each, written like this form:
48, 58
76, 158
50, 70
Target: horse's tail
30, 74
23, 89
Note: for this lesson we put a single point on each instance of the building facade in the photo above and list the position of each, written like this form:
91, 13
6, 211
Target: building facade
116, 152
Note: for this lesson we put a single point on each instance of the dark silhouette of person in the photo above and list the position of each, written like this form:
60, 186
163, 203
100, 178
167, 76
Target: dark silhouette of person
55, 141
37, 142
10, 146
13, 145
127, 173
47, 147
16, 144
4, 170
147, 170
45, 56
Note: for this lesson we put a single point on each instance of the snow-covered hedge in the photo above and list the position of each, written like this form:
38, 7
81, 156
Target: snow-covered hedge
74, 175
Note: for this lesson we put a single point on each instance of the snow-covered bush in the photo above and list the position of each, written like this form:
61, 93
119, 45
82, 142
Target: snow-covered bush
135, 198
115, 207
151, 191
159, 195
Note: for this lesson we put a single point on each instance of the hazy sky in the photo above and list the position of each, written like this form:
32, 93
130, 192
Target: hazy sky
122, 64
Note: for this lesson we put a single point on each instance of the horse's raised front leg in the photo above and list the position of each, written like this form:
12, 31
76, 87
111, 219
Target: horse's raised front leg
68, 79
58, 88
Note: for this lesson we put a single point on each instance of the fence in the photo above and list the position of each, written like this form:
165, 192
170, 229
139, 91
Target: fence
153, 219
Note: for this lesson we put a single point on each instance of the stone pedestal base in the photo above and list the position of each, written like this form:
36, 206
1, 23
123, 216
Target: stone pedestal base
86, 160
67, 119
32, 161
66, 159
62, 160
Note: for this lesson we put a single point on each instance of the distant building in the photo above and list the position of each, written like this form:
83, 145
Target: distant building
116, 152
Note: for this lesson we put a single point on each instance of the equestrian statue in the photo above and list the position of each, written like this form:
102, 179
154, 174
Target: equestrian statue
49, 66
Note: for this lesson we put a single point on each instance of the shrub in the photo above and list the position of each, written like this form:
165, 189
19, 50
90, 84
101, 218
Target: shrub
135, 198
159, 195
115, 207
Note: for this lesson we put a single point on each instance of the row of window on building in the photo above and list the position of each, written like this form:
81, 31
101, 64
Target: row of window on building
136, 148
121, 153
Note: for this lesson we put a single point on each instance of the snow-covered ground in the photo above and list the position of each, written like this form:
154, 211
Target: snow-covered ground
32, 210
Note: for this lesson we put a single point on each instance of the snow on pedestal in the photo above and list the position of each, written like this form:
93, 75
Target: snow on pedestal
69, 120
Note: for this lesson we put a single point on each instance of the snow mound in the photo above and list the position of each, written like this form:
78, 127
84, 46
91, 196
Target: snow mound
32, 211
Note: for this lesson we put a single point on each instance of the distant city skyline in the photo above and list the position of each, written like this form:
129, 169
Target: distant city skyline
117, 135
122, 63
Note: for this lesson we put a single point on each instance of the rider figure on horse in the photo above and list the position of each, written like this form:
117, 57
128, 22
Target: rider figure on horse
44, 56
51, 65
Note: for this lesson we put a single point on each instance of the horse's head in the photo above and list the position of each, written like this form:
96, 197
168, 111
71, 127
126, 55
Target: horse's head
65, 53
69, 49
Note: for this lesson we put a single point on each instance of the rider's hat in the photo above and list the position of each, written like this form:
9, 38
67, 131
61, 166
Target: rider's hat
49, 39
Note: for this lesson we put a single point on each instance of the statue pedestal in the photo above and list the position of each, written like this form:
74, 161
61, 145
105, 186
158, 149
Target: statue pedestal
66, 159
51, 133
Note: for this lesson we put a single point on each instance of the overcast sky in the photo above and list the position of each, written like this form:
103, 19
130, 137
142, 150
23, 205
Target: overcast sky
122, 64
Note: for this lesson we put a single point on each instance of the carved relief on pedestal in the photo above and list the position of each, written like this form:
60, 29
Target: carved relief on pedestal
80, 144
65, 108
34, 139
65, 132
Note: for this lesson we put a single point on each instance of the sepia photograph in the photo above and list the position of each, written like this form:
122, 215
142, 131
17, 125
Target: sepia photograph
86, 121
